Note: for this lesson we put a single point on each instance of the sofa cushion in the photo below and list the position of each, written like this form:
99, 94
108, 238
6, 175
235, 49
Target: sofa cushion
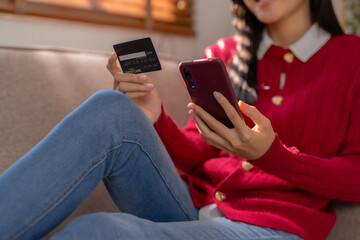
39, 87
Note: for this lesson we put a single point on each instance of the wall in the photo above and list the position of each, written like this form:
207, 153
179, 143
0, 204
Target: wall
212, 21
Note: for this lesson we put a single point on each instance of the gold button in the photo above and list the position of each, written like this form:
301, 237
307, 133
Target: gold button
220, 196
289, 57
247, 166
277, 100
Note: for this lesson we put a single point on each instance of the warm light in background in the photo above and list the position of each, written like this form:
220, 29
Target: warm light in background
174, 16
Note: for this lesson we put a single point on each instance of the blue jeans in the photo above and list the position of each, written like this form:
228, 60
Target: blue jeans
107, 138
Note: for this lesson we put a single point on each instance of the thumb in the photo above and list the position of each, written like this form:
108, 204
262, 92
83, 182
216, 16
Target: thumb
253, 113
112, 64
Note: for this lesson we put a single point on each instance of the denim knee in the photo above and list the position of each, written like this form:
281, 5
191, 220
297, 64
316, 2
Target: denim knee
109, 94
112, 101
110, 98
108, 107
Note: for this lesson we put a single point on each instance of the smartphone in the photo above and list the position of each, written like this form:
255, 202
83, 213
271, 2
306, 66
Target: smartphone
204, 76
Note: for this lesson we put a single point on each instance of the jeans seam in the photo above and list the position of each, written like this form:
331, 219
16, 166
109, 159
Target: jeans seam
62, 196
161, 175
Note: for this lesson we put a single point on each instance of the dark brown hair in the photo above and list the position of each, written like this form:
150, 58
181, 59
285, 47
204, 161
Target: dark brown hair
250, 28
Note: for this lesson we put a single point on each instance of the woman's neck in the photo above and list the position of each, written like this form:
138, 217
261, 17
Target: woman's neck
290, 29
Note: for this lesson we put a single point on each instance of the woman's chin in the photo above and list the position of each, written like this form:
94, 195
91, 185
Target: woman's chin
267, 18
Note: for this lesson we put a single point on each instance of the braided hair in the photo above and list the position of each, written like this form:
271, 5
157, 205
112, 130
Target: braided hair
242, 70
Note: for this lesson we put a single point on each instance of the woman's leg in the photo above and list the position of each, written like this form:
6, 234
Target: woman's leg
109, 226
108, 137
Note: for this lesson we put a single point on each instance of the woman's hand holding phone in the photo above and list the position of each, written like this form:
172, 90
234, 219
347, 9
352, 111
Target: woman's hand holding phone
242, 141
138, 87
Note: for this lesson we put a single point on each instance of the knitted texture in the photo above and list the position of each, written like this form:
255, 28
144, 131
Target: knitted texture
314, 158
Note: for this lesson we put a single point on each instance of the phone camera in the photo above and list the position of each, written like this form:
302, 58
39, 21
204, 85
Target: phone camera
189, 78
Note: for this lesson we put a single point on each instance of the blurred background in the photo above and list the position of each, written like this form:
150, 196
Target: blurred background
181, 28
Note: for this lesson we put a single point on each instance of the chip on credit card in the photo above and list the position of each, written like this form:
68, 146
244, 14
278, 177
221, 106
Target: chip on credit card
137, 56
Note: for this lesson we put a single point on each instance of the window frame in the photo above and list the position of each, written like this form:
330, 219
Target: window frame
139, 13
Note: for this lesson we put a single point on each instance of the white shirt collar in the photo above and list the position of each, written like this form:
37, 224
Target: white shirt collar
304, 48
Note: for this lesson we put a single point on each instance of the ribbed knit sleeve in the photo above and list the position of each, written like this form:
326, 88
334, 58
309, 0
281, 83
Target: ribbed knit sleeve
335, 178
185, 145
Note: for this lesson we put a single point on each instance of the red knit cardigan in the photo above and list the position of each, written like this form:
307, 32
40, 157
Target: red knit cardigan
314, 158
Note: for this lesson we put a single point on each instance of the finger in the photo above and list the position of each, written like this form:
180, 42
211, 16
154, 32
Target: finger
231, 112
133, 95
127, 87
209, 120
131, 78
255, 115
112, 64
226, 135
201, 126
210, 136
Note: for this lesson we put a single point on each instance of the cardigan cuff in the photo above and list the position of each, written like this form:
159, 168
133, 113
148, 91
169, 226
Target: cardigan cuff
276, 157
162, 119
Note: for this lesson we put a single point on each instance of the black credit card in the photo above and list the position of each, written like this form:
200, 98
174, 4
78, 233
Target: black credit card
137, 56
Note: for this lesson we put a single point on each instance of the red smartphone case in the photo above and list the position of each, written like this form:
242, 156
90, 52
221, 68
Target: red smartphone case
203, 77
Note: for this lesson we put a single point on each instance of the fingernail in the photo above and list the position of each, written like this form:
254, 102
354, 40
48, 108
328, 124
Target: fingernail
242, 104
142, 78
216, 94
191, 112
149, 86
190, 105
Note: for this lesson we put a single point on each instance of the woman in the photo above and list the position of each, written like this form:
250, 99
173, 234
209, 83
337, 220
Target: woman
271, 179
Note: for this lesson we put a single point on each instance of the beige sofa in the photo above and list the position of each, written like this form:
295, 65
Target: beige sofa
38, 87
